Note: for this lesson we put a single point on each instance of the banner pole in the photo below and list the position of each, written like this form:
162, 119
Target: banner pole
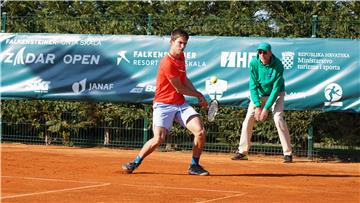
310, 149
3, 22
145, 127
314, 22
149, 25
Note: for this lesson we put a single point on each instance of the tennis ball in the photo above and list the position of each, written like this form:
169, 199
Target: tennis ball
213, 79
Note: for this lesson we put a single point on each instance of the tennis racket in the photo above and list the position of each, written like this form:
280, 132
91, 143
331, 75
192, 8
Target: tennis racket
213, 110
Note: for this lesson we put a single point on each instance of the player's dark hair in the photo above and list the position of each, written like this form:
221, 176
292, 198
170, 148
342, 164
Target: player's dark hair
176, 33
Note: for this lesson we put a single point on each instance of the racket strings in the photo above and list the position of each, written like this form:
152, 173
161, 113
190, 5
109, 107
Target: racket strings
213, 109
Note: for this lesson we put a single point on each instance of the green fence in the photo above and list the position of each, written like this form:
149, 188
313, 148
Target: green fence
119, 136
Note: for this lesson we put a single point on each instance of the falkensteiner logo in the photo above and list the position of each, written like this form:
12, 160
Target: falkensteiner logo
152, 58
140, 58
122, 55
236, 59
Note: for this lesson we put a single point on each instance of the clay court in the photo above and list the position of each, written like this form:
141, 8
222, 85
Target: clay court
63, 174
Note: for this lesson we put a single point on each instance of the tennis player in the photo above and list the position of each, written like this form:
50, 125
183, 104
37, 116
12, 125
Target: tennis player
169, 105
267, 91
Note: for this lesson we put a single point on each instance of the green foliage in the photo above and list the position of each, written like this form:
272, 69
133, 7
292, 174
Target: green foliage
228, 124
67, 118
337, 19
334, 128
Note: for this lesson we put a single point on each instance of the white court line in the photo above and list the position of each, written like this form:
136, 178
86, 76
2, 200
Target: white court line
54, 191
212, 200
237, 193
181, 188
51, 179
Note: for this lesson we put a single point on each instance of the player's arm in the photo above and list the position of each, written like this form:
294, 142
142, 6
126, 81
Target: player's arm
202, 100
188, 89
189, 84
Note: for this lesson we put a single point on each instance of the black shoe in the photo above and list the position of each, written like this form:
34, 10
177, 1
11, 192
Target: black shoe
287, 159
130, 167
239, 156
195, 169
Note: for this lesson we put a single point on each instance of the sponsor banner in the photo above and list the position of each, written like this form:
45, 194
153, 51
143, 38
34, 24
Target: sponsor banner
320, 74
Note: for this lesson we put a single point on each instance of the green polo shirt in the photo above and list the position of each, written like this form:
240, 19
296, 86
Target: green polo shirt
266, 80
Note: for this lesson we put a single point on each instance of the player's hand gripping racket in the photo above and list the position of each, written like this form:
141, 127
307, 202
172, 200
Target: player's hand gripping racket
213, 109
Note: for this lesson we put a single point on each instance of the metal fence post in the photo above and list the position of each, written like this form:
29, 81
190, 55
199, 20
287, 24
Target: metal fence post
145, 127
3, 22
314, 22
149, 25
310, 149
